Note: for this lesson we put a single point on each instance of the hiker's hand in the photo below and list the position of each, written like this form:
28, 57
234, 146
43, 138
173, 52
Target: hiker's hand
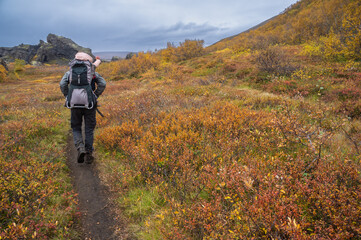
97, 57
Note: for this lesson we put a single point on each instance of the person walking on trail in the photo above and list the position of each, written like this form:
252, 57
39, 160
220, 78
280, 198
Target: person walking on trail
82, 86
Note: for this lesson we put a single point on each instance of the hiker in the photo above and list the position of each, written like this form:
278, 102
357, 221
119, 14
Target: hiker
81, 86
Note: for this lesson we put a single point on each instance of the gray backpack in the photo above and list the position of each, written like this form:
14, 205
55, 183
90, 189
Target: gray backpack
81, 94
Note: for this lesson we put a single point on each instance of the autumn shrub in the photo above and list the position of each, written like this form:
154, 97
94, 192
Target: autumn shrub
19, 65
108, 70
312, 50
3, 74
273, 60
341, 43
37, 201
189, 49
332, 47
351, 34
134, 67
141, 62
186, 50
351, 109
348, 94
173, 72
353, 134
257, 198
228, 172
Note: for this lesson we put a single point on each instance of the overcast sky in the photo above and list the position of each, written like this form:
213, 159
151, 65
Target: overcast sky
131, 25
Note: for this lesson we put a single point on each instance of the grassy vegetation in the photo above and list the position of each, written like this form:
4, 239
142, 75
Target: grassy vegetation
216, 147
37, 200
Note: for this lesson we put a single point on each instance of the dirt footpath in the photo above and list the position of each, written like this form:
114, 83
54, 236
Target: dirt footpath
98, 221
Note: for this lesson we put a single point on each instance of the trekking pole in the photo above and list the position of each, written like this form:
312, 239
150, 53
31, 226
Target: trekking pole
101, 114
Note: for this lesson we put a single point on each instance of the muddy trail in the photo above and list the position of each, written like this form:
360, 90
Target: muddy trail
98, 221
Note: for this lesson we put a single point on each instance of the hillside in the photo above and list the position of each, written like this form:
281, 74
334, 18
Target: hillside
255, 137
331, 25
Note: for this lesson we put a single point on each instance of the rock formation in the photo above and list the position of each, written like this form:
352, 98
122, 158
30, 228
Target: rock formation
57, 49
3, 63
23, 51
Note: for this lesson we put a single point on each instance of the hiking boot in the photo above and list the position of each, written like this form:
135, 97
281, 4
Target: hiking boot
81, 155
89, 158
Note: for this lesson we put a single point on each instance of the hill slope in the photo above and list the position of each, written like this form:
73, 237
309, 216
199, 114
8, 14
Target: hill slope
333, 24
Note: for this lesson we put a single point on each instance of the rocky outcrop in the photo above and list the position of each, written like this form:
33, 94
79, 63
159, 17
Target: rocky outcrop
3, 63
23, 51
57, 49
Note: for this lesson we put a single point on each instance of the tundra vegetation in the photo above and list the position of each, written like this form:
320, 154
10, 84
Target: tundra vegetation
255, 137
37, 200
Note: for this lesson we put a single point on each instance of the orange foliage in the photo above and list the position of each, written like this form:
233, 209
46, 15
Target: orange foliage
186, 50
307, 21
3, 73
36, 197
228, 171
142, 62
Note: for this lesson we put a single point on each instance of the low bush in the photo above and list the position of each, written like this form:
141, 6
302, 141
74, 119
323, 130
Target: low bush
274, 61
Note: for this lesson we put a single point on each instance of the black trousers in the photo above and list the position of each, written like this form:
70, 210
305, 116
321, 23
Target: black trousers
78, 115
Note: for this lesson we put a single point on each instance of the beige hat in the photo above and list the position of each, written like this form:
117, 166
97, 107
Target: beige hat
86, 57
83, 56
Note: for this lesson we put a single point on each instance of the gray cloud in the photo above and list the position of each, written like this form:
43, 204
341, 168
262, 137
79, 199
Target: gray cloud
151, 39
131, 25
